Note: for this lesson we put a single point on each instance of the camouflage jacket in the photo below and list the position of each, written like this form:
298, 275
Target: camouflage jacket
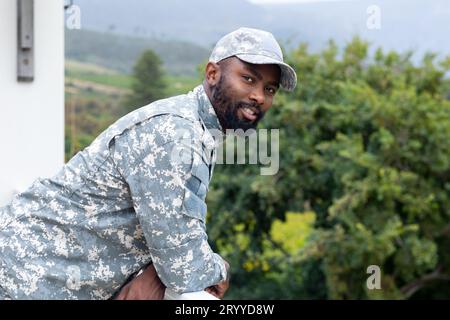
135, 195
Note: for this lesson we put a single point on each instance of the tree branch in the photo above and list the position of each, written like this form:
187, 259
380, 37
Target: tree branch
411, 288
445, 231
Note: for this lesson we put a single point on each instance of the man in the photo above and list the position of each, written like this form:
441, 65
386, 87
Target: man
136, 196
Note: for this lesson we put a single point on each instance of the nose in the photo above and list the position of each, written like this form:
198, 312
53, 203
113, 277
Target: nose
257, 95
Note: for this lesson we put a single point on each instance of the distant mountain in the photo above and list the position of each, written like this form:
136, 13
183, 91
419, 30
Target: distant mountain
405, 24
198, 21
120, 52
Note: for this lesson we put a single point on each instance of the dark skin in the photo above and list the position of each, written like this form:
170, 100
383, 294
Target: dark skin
146, 286
230, 85
242, 84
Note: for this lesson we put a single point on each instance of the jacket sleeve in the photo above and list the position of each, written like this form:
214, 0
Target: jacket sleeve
158, 167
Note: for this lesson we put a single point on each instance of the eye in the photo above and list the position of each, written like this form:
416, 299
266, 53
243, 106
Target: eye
271, 91
248, 79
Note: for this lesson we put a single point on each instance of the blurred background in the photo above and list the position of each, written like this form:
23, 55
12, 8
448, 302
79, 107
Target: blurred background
364, 173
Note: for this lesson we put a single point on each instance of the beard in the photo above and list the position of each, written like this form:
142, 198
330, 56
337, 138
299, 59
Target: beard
227, 109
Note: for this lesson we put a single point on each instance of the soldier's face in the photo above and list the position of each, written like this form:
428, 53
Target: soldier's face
244, 93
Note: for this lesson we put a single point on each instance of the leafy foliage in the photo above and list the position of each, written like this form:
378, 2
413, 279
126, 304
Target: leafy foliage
364, 144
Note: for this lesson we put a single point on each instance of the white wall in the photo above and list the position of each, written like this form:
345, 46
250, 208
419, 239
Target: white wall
31, 114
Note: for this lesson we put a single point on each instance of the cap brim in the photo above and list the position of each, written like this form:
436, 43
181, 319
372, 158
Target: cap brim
288, 79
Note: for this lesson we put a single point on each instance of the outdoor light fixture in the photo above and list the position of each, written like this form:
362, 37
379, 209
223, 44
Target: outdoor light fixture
25, 41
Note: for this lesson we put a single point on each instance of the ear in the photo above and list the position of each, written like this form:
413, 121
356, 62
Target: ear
212, 73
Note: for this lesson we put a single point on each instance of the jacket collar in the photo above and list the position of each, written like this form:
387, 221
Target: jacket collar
206, 110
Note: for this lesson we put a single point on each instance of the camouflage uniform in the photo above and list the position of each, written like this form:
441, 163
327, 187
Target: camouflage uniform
135, 195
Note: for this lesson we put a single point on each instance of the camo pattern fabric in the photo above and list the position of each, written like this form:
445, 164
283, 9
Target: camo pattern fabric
136, 194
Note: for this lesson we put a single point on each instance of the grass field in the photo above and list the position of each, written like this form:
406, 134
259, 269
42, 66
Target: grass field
91, 81
95, 98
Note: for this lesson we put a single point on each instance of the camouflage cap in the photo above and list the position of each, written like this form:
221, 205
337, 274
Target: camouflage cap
257, 47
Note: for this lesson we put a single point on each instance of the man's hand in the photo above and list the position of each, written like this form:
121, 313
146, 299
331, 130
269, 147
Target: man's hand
146, 286
219, 289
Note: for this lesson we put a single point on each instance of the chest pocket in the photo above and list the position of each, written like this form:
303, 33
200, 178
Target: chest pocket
196, 190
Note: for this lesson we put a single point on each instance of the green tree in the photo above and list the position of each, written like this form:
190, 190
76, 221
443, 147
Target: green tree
148, 81
364, 144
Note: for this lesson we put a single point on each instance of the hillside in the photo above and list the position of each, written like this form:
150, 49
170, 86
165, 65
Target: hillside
405, 24
198, 21
120, 52
95, 99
